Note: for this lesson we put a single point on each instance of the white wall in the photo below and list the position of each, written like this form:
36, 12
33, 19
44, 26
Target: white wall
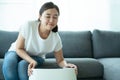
115, 15
74, 14
88, 14
14, 12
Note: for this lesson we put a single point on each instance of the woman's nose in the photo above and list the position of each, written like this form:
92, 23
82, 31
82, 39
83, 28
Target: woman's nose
51, 20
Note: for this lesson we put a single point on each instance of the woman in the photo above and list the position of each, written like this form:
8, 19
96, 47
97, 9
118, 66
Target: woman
35, 40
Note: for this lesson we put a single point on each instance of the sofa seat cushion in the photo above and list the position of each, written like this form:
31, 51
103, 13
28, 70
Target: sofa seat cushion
87, 67
1, 74
111, 68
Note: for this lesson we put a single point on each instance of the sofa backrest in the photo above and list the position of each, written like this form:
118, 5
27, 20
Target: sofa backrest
106, 44
76, 44
6, 38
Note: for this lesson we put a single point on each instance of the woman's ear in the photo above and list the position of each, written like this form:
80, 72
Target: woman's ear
40, 17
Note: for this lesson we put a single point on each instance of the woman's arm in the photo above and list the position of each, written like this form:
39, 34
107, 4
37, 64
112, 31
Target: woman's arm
62, 63
23, 54
20, 49
60, 59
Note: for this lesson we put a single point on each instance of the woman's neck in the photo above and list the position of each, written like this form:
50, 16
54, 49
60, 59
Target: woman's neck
43, 32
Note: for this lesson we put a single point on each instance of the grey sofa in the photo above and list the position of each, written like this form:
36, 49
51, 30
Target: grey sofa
97, 53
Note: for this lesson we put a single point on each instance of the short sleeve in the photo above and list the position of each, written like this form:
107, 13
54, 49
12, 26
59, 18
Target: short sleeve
24, 30
59, 44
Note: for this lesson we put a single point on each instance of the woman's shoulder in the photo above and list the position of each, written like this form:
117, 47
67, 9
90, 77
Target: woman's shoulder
56, 35
32, 22
28, 26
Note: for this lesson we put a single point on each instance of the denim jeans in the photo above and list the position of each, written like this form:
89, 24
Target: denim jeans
15, 68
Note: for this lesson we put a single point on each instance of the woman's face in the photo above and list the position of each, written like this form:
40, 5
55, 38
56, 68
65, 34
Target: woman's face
49, 18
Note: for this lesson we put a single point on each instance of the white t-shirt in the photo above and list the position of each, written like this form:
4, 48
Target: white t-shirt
34, 44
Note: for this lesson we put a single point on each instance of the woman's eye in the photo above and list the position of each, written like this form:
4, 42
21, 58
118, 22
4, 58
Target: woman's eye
55, 17
47, 16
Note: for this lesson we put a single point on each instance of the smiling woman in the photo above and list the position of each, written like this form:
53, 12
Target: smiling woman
36, 39
75, 14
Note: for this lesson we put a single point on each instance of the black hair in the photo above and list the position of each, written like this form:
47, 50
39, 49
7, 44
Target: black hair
46, 6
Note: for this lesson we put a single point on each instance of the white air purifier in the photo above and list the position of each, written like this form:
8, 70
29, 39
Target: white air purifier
53, 74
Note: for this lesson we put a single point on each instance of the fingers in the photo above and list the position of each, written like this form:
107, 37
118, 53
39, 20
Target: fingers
76, 71
30, 67
69, 65
30, 72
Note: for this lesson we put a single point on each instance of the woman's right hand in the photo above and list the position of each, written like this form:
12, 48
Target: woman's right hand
31, 66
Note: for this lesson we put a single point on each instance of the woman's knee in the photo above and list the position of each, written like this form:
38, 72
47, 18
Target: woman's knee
23, 64
22, 68
10, 66
11, 57
10, 62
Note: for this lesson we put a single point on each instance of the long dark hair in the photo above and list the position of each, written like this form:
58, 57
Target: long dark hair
46, 6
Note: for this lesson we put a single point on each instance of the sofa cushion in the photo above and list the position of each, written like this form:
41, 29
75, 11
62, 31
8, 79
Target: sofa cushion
111, 68
76, 44
1, 73
106, 44
6, 38
87, 67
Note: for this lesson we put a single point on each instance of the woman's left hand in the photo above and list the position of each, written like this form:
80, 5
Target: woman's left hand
69, 65
31, 66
